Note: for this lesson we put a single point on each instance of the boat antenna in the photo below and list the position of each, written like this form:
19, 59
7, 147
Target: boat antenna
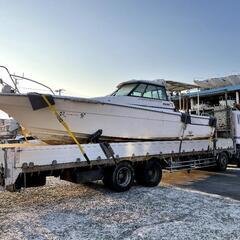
59, 91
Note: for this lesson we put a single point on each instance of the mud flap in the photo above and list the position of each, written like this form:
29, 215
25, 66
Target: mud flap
37, 101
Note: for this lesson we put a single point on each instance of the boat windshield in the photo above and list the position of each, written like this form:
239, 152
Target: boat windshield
125, 90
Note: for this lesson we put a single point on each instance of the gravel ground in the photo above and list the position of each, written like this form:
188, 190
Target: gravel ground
62, 210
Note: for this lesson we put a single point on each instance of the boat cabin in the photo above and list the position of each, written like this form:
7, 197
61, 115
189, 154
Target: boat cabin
144, 89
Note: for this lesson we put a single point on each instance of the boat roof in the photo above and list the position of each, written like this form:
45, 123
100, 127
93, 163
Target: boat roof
157, 82
174, 86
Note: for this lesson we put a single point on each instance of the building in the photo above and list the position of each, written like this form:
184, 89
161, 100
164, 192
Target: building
207, 95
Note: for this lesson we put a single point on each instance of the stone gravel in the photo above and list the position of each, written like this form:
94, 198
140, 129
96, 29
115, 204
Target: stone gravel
62, 210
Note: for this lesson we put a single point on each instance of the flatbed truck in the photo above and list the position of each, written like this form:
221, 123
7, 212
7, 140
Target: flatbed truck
118, 165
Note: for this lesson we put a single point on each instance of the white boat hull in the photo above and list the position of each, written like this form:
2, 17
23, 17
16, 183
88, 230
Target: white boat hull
85, 117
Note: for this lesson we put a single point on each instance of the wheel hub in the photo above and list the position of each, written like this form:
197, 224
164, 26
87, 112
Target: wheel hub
124, 176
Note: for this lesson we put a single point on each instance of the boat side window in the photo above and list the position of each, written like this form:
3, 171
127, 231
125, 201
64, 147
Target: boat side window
155, 92
162, 93
124, 90
151, 92
139, 90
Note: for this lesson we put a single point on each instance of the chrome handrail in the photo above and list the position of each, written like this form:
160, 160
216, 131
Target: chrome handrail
15, 77
31, 80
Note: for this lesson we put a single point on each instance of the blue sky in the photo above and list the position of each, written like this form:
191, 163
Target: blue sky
88, 47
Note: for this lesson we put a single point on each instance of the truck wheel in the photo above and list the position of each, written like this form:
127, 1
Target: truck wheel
119, 178
222, 161
150, 174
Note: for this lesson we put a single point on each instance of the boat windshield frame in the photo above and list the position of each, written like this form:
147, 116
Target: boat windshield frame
136, 85
127, 92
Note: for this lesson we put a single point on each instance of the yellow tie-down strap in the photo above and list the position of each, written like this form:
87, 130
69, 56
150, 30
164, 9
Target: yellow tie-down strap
210, 140
65, 125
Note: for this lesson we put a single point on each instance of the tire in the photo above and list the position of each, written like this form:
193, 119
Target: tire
119, 178
150, 174
222, 161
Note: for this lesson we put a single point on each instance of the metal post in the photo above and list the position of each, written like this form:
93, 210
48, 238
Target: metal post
198, 102
191, 103
187, 104
226, 98
237, 97
180, 101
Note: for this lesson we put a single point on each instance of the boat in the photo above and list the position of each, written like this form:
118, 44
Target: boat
139, 110
8, 128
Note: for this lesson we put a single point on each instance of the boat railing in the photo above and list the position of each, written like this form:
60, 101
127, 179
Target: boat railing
15, 81
15, 88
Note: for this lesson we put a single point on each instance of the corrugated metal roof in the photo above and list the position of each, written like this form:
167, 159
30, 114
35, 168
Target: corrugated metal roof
230, 80
174, 86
